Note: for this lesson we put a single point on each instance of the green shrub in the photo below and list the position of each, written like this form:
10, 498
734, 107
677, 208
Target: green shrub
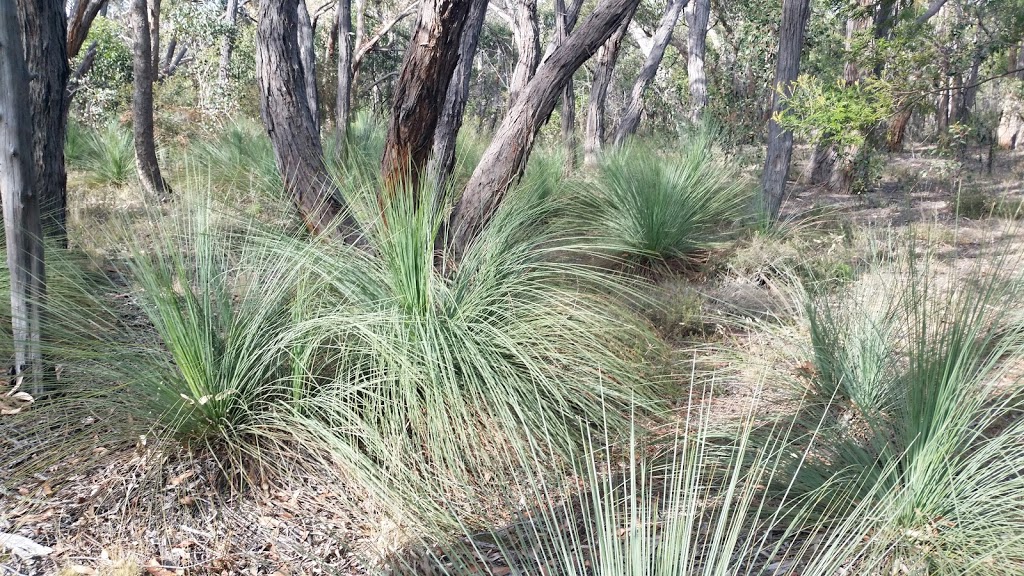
111, 157
976, 204
656, 208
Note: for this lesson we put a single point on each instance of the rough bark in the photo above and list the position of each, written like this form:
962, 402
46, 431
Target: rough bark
634, 109
897, 129
420, 92
142, 104
343, 101
1011, 122
307, 57
504, 160
43, 26
792, 31
526, 34
442, 161
81, 20
607, 55
697, 14
154, 35
285, 114
227, 44
565, 21
20, 203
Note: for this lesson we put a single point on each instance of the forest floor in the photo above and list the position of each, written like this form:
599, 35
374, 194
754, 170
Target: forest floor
127, 508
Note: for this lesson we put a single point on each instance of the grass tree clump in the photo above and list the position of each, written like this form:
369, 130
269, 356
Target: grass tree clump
111, 156
918, 377
657, 207
241, 158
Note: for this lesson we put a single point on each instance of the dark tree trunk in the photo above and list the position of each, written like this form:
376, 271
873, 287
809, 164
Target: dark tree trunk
505, 159
43, 25
635, 108
227, 45
81, 20
527, 39
792, 31
83, 68
607, 55
420, 93
343, 102
20, 202
697, 14
307, 56
442, 162
285, 114
142, 104
942, 110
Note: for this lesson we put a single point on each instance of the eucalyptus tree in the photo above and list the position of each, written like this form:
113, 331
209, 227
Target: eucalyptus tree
143, 71
697, 14
604, 67
22, 223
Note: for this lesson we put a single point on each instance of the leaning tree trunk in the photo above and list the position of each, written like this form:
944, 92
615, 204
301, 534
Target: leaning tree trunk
142, 104
285, 114
420, 93
227, 44
697, 14
307, 57
792, 30
154, 36
593, 139
897, 129
503, 162
80, 22
634, 109
343, 101
43, 25
527, 40
442, 161
20, 202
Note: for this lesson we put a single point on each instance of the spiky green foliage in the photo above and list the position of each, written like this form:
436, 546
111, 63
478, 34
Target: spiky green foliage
111, 158
685, 502
76, 144
241, 159
918, 372
656, 207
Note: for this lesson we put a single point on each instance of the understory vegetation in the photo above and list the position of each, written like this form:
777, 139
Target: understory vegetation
549, 402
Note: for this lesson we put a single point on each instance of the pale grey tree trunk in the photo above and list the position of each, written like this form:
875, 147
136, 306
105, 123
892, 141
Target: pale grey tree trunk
526, 34
343, 101
607, 55
634, 109
565, 21
504, 160
142, 104
442, 161
43, 25
227, 45
307, 56
697, 14
792, 30
154, 36
22, 224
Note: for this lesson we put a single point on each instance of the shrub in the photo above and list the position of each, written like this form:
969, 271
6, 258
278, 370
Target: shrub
656, 208
111, 158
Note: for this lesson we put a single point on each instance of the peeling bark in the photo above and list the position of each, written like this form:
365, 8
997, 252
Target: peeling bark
526, 34
142, 104
607, 55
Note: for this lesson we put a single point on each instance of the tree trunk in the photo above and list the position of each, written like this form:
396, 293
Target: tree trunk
307, 57
82, 17
343, 102
154, 36
142, 105
607, 55
527, 39
43, 25
634, 109
285, 114
792, 31
942, 110
442, 161
697, 14
897, 129
420, 93
1011, 121
20, 203
565, 21
505, 159
227, 45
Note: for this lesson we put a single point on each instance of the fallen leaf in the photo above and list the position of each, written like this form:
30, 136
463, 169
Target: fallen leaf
154, 568
82, 570
182, 477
